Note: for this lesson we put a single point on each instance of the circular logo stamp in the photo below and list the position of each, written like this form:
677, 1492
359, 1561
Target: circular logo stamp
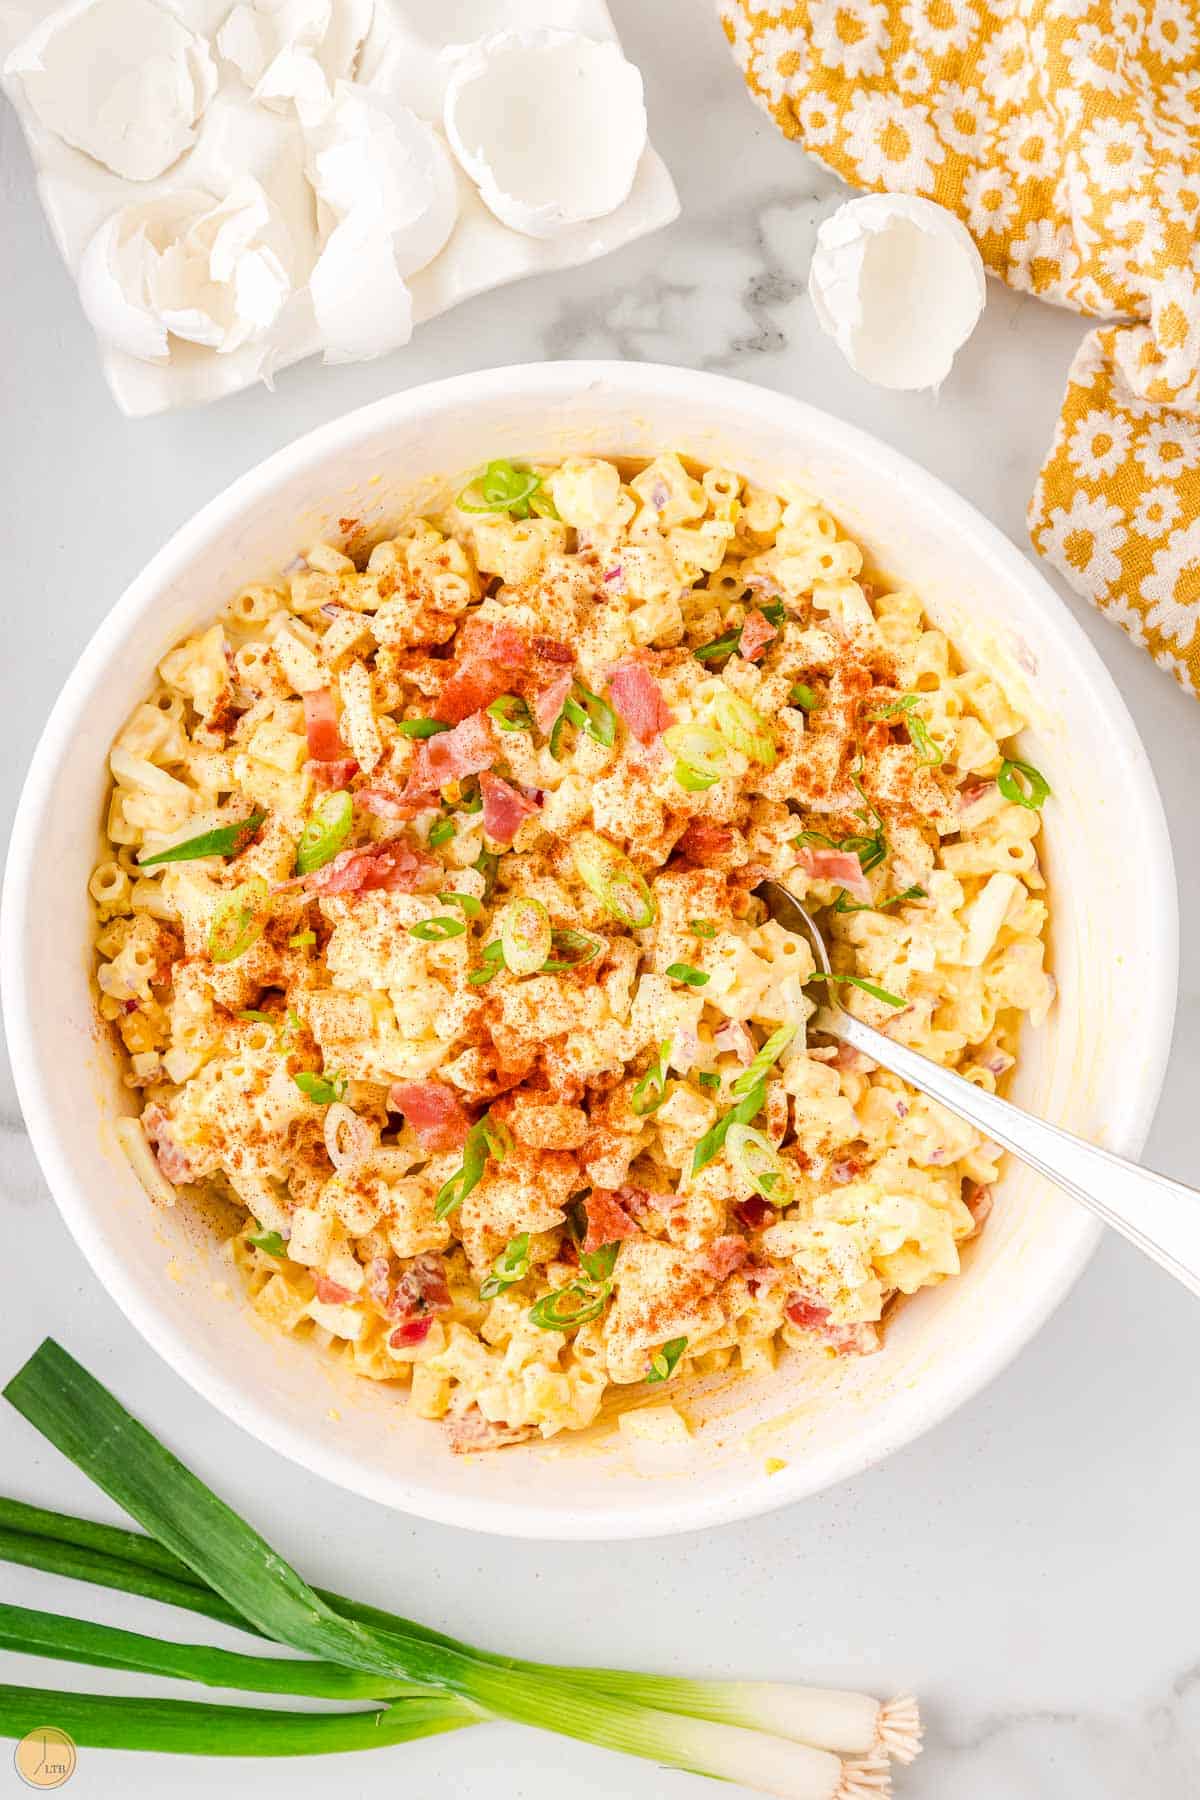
45, 1758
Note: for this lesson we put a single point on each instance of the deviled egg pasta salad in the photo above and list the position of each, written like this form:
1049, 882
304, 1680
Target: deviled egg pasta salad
429, 931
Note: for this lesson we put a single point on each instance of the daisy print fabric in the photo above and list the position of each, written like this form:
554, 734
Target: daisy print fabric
1066, 136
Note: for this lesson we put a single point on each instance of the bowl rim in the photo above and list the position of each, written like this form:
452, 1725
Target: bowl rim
943, 1391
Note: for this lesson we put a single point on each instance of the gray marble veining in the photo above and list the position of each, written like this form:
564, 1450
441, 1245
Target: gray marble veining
1028, 1567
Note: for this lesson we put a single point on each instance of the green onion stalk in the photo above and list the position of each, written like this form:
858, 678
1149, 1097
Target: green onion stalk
780, 1739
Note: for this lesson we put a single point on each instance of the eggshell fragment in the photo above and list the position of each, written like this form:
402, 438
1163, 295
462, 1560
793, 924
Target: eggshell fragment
387, 196
213, 272
294, 50
122, 80
899, 285
550, 125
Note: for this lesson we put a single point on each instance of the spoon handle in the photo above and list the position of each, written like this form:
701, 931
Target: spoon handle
1160, 1216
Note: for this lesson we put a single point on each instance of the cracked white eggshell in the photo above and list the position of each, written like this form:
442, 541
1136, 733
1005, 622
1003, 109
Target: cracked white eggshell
550, 126
214, 272
372, 158
296, 50
360, 300
899, 285
122, 80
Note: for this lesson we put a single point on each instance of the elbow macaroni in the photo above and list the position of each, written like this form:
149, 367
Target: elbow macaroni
849, 737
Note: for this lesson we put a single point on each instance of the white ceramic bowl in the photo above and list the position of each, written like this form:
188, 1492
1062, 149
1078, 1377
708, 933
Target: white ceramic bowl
1096, 1067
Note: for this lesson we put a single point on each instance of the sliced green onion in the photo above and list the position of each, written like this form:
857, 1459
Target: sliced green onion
420, 728
239, 920
806, 698
226, 840
511, 713
691, 781
690, 976
325, 833
608, 873
486, 864
301, 939
1024, 785
741, 726
556, 734
599, 1264
501, 488
770, 1053
719, 647
702, 928
523, 925
497, 1137
868, 987
472, 802
700, 754
569, 1307
270, 1241
588, 712
755, 1156
470, 905
651, 1090
318, 1089
510, 1266
255, 1018
476, 1150
440, 832
928, 754
712, 1142
491, 962
844, 904
708, 1079
436, 931
570, 949
664, 1362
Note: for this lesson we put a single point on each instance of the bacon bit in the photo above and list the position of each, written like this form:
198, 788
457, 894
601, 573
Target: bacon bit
846, 1340
337, 774
505, 808
421, 1290
754, 1213
806, 1313
979, 1204
853, 1062
395, 867
496, 641
553, 650
639, 1200
836, 865
386, 803
549, 703
470, 1431
843, 1172
757, 633
434, 1112
321, 725
332, 1293
975, 791
607, 1220
724, 1257
469, 689
170, 1158
705, 841
638, 699
413, 1331
451, 755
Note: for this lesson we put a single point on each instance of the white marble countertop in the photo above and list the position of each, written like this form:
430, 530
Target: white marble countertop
1028, 1567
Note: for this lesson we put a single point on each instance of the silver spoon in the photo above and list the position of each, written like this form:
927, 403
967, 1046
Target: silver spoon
1160, 1216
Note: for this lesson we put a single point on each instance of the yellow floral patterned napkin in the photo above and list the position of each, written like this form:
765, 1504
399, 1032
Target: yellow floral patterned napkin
1066, 136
